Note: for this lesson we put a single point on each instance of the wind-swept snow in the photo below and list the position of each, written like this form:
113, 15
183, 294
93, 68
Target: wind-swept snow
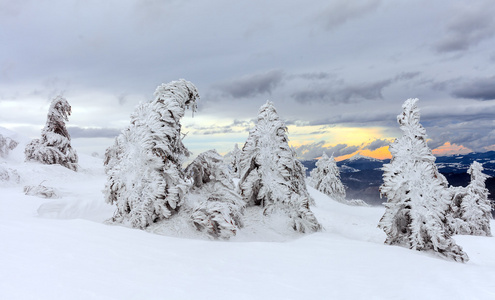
62, 249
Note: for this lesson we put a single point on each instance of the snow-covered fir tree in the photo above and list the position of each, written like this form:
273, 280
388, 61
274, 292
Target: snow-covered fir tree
471, 209
54, 146
235, 156
217, 209
6, 144
144, 166
417, 198
326, 178
270, 176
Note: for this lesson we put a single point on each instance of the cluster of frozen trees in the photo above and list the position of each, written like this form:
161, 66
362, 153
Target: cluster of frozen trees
54, 147
422, 212
147, 183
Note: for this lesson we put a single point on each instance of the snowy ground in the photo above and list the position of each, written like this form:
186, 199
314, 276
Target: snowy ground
62, 249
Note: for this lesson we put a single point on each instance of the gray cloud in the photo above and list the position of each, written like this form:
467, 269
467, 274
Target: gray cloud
475, 135
311, 151
106, 55
12, 8
78, 132
469, 25
313, 76
406, 76
480, 89
252, 85
336, 92
346, 94
214, 129
376, 144
340, 12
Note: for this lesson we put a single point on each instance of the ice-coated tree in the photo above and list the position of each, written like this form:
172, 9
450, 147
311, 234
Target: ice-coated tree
6, 144
471, 209
144, 166
216, 206
417, 196
326, 178
270, 176
235, 156
54, 146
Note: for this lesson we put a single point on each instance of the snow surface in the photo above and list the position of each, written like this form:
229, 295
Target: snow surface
63, 249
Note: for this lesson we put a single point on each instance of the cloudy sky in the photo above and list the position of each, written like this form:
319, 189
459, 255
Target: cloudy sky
337, 71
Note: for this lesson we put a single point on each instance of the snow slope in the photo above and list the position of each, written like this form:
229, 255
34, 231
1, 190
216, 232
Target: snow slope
62, 249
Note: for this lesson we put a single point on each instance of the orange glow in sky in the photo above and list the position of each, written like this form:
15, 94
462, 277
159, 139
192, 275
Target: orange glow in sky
380, 153
449, 149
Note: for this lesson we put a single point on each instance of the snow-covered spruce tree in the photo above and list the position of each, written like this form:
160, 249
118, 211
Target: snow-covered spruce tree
270, 176
218, 208
144, 166
471, 209
6, 144
417, 195
54, 146
326, 178
234, 163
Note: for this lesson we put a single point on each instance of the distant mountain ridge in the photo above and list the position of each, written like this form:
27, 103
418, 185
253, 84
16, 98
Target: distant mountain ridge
362, 175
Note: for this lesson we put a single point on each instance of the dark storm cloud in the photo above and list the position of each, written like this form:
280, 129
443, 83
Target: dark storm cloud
335, 91
345, 94
340, 12
376, 144
458, 113
475, 135
252, 85
480, 89
469, 25
314, 150
78, 132
382, 117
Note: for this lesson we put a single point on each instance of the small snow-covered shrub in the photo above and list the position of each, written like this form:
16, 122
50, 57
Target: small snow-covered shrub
471, 209
270, 176
41, 191
218, 211
416, 192
6, 144
145, 179
54, 146
214, 218
8, 175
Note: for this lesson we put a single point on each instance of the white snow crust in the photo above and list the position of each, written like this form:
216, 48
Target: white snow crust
63, 249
